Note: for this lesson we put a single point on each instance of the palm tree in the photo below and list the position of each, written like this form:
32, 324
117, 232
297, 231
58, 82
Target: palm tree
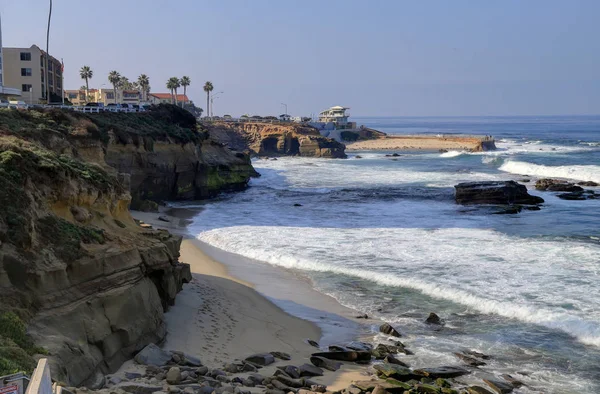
172, 85
124, 83
87, 74
185, 82
208, 87
144, 84
177, 84
115, 79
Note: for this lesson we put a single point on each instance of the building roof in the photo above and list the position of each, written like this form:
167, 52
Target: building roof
164, 96
337, 107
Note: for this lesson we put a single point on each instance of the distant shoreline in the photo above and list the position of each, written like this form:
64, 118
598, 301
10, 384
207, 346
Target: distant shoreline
426, 142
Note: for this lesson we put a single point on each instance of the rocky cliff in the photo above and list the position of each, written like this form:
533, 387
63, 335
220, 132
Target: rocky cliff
90, 282
267, 139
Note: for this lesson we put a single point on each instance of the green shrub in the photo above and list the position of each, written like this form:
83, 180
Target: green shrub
16, 347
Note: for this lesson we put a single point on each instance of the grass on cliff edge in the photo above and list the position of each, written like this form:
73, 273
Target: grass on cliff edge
16, 348
160, 122
25, 167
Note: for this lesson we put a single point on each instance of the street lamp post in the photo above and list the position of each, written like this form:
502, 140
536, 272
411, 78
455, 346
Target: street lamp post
48, 55
212, 97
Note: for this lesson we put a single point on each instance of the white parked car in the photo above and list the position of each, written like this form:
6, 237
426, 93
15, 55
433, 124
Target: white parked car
17, 104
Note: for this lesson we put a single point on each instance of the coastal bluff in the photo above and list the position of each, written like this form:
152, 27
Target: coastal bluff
90, 283
275, 139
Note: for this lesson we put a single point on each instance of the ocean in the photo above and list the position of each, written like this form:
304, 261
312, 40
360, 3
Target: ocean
383, 236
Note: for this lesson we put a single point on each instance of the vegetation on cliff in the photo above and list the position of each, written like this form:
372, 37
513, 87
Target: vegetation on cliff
161, 122
16, 347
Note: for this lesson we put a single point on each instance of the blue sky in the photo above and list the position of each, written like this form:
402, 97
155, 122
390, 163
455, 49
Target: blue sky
395, 58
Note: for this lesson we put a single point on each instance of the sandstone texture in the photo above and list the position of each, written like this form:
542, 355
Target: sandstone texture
266, 139
91, 283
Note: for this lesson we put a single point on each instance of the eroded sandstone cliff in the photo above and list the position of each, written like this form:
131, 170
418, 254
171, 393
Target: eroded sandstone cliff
266, 139
90, 282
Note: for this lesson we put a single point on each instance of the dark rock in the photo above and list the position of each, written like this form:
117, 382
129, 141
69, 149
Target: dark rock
393, 371
478, 390
393, 360
441, 372
428, 388
290, 382
442, 383
325, 363
152, 355
256, 378
233, 367
381, 351
191, 361
318, 388
297, 205
313, 343
395, 155
509, 210
363, 316
274, 391
361, 346
310, 370
588, 183
389, 330
291, 371
472, 361
494, 192
133, 375
532, 208
358, 157
174, 375
556, 185
443, 150
433, 319
350, 355
514, 382
164, 219
281, 355
261, 359
477, 354
499, 386
575, 196
337, 348
525, 180
202, 370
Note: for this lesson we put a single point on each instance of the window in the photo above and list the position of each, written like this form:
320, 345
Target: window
43, 75
110, 95
41, 61
50, 66
25, 87
25, 56
72, 96
25, 72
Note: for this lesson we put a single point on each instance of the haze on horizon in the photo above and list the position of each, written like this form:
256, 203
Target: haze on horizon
381, 58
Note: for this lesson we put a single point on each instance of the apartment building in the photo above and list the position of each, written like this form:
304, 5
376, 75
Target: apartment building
25, 69
166, 98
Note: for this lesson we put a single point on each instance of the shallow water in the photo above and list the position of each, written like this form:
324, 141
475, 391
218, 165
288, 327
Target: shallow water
383, 235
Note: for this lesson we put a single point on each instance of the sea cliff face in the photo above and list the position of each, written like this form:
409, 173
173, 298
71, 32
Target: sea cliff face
90, 282
266, 139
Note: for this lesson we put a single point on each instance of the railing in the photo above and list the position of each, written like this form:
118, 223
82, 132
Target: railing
77, 108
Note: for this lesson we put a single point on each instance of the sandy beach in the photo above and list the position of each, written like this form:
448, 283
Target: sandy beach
220, 317
431, 143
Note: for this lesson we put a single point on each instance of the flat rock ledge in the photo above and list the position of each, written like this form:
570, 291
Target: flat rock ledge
494, 192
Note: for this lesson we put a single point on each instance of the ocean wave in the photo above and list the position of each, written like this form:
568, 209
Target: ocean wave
453, 153
474, 270
576, 172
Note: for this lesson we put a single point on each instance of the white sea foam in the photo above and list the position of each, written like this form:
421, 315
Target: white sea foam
311, 174
452, 153
528, 280
576, 172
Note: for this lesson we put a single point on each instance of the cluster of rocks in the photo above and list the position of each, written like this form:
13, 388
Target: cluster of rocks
174, 372
571, 190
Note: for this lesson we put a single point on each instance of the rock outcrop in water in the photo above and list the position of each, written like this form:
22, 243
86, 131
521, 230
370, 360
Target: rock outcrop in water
557, 185
266, 139
494, 192
90, 282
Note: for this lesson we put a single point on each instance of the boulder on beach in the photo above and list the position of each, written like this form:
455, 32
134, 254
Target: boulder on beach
325, 363
389, 330
262, 359
153, 355
349, 355
557, 185
588, 183
310, 370
494, 192
499, 386
393, 371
